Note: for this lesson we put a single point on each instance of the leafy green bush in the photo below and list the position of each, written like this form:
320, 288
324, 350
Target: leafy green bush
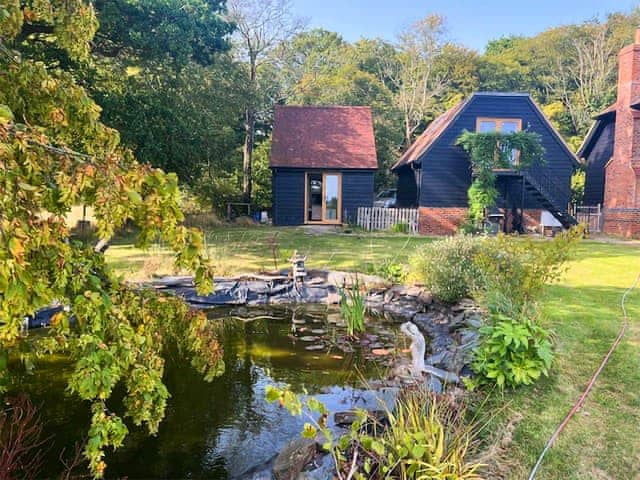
389, 270
447, 267
513, 352
519, 269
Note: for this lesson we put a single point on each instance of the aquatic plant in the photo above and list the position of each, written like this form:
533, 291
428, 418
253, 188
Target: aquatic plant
423, 436
352, 307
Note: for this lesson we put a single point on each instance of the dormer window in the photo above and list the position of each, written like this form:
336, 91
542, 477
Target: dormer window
502, 125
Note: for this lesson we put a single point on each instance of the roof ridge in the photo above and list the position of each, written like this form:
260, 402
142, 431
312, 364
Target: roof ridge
324, 106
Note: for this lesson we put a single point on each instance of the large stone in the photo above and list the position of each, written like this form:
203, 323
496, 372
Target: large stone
325, 469
345, 419
293, 458
447, 377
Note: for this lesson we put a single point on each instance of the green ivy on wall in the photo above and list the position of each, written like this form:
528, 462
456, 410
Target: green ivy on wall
490, 151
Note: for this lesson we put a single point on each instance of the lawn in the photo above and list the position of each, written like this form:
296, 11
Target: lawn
603, 439
236, 250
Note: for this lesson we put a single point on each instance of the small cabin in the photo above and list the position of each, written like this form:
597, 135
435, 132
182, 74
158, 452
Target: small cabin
323, 161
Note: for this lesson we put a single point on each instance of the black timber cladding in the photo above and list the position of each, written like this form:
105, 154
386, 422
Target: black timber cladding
596, 153
289, 189
446, 169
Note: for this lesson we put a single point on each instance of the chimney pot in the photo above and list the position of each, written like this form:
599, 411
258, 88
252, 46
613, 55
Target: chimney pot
637, 39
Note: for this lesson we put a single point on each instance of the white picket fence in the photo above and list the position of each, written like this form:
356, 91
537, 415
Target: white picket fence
377, 218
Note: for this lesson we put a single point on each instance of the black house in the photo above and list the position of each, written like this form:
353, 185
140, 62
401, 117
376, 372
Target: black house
323, 160
596, 151
434, 174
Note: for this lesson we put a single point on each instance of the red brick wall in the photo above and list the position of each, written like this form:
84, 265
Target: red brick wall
440, 221
447, 221
624, 222
622, 174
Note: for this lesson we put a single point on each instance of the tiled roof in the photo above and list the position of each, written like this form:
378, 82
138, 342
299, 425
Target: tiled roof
430, 135
323, 137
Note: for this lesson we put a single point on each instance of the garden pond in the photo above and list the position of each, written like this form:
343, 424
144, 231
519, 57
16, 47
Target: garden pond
226, 429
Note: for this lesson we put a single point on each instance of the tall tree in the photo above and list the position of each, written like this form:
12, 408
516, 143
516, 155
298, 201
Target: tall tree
413, 72
262, 28
112, 333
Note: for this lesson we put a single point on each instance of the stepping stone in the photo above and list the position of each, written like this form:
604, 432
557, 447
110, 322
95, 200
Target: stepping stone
309, 338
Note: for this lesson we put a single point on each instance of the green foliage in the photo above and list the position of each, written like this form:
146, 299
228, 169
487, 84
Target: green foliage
426, 438
352, 307
578, 180
488, 151
519, 270
388, 269
113, 334
446, 267
400, 227
513, 352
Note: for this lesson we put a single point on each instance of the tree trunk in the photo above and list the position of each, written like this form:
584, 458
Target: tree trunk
407, 134
247, 154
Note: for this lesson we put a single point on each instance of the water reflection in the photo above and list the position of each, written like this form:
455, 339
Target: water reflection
223, 429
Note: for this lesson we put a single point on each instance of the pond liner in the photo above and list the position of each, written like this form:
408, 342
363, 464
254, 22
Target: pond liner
273, 291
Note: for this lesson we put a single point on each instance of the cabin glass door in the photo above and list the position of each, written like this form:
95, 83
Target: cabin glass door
332, 199
314, 197
323, 199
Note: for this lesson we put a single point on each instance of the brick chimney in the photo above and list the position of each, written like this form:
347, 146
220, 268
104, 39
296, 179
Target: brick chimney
622, 184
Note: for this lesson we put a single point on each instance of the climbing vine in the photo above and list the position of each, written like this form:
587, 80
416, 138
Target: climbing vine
492, 150
54, 154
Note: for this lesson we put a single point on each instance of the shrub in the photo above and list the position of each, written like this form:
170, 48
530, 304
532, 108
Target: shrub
520, 269
389, 270
512, 352
447, 267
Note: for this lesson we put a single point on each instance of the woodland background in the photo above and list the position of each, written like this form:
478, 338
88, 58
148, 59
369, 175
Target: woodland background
191, 87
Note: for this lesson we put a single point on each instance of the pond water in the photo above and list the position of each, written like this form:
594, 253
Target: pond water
225, 429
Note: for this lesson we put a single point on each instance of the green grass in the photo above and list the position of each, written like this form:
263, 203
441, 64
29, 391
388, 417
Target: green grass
603, 439
236, 250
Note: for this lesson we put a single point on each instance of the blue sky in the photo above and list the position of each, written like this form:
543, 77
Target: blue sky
470, 22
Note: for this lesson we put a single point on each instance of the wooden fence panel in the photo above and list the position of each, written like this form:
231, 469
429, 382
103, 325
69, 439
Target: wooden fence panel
590, 216
377, 218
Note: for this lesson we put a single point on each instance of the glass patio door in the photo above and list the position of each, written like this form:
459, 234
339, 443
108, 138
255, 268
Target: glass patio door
323, 200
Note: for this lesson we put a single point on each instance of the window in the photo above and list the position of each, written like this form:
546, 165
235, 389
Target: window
502, 125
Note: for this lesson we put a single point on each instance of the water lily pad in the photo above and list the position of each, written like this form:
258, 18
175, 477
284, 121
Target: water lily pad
382, 351
318, 346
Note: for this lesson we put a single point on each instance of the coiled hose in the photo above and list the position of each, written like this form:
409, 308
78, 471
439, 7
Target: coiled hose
583, 397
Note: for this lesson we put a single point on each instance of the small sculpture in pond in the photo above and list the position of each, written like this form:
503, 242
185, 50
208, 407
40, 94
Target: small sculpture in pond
418, 347
298, 270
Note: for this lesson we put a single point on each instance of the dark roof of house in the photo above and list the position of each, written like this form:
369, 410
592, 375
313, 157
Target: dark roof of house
602, 119
323, 137
430, 135
436, 128
610, 110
